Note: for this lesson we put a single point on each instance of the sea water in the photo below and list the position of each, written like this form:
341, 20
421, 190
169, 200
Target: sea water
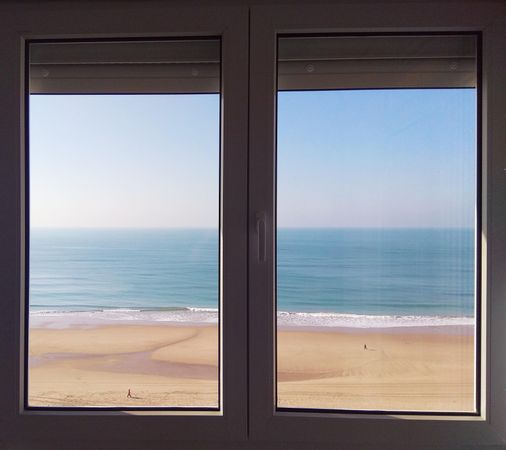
325, 277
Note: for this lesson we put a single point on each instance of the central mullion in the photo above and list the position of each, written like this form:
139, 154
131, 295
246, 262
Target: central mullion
262, 169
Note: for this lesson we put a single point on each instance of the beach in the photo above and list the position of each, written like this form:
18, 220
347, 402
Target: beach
418, 368
403, 368
161, 365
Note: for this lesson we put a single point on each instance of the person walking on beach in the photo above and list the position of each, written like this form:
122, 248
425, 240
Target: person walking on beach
365, 346
129, 395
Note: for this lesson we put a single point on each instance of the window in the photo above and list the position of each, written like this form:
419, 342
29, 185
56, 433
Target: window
377, 294
273, 66
123, 290
299, 120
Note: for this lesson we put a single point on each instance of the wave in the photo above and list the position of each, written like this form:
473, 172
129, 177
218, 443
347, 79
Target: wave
196, 315
65, 318
339, 320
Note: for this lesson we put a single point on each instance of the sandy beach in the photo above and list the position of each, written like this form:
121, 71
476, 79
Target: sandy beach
399, 369
422, 368
161, 365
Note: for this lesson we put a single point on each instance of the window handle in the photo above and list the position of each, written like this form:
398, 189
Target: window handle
261, 230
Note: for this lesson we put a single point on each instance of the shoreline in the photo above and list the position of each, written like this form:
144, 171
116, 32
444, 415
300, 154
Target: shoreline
207, 316
419, 329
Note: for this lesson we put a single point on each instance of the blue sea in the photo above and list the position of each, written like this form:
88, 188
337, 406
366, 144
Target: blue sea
325, 277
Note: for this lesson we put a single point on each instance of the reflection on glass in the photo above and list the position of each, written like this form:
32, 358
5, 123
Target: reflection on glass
376, 213
124, 252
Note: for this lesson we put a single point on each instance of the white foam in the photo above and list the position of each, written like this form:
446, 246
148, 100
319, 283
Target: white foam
337, 320
64, 319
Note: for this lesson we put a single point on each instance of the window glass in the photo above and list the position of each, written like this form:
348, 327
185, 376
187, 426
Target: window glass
124, 150
377, 223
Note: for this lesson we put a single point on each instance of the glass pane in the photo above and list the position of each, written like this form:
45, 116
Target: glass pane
124, 225
377, 223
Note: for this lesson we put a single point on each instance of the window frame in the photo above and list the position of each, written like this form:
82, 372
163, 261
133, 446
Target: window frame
367, 428
75, 90
476, 234
248, 94
115, 22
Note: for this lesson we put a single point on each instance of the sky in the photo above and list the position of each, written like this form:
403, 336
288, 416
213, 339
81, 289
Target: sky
377, 158
137, 161
368, 158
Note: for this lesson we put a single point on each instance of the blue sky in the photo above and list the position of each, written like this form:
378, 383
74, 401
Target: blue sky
393, 158
124, 161
377, 158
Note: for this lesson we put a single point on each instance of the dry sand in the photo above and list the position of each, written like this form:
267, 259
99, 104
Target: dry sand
409, 369
404, 369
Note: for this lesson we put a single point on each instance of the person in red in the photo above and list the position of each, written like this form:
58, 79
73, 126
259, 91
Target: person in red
129, 395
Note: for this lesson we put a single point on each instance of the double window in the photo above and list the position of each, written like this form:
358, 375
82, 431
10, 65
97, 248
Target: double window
278, 235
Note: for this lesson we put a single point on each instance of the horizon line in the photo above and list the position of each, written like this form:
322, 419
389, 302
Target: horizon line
294, 227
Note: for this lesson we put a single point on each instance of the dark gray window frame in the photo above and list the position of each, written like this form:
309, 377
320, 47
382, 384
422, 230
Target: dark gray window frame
249, 419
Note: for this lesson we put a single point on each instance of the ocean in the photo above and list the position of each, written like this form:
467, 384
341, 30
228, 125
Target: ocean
325, 277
